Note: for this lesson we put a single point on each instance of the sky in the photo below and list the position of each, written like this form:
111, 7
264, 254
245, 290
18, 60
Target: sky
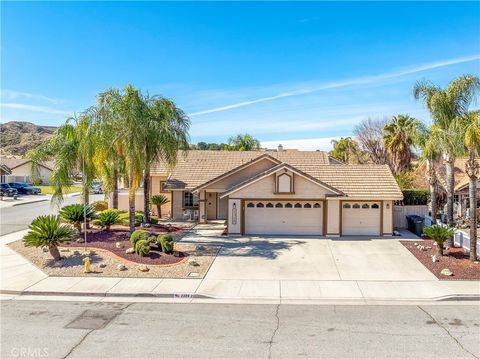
299, 74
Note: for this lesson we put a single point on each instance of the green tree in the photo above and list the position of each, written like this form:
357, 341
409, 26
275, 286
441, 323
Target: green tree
75, 214
159, 200
439, 234
445, 105
244, 142
48, 231
348, 151
399, 137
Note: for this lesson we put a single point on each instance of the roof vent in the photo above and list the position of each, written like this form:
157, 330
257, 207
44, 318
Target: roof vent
280, 148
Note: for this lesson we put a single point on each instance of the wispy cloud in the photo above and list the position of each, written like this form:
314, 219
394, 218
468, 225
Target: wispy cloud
12, 95
34, 108
343, 83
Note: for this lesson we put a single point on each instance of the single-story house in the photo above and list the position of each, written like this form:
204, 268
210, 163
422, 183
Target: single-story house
21, 170
284, 192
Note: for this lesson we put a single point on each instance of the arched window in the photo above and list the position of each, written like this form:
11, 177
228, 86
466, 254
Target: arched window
278, 205
298, 205
260, 205
250, 205
307, 205
356, 205
365, 205
316, 205
375, 205
269, 205
288, 205
346, 205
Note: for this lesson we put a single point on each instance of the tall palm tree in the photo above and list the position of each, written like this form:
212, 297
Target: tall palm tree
445, 105
166, 133
471, 124
399, 137
244, 142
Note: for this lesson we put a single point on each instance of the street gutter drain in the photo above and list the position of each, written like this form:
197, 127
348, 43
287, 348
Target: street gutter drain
93, 319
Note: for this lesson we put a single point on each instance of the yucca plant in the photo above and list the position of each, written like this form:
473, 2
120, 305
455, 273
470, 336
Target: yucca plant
159, 200
48, 231
440, 235
74, 214
107, 218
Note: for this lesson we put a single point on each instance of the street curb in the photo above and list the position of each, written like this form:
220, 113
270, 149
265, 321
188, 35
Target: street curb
24, 203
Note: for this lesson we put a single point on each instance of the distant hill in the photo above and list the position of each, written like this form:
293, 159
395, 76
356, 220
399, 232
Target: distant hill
16, 138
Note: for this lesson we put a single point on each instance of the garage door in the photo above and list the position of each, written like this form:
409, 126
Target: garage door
361, 219
284, 217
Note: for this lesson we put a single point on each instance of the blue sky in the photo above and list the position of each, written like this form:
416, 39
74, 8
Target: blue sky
298, 74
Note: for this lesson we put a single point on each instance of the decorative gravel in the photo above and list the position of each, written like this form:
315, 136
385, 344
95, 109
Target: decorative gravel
453, 259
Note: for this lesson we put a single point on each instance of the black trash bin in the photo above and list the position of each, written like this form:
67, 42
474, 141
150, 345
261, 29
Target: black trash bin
415, 224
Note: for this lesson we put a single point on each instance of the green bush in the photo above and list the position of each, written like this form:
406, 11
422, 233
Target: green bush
142, 248
439, 234
100, 206
37, 181
107, 218
74, 214
415, 197
154, 220
125, 220
139, 235
165, 242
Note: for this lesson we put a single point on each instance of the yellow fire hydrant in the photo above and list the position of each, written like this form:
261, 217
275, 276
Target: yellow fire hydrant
86, 268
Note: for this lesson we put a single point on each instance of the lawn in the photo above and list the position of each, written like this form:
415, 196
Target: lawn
50, 189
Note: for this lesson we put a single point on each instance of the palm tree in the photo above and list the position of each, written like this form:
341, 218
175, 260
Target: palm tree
48, 231
399, 137
445, 105
244, 143
471, 124
159, 200
440, 235
76, 213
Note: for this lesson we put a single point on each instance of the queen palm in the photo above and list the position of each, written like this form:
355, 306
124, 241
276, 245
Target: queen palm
399, 137
445, 105
244, 142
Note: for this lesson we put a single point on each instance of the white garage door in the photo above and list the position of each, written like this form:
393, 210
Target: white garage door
284, 217
361, 219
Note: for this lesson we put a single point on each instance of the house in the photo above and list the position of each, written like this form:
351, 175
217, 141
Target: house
279, 192
21, 170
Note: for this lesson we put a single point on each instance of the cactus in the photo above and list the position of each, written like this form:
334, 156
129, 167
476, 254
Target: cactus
138, 235
165, 242
142, 248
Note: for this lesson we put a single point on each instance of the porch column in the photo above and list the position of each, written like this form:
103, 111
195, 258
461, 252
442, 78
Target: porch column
334, 220
235, 210
202, 212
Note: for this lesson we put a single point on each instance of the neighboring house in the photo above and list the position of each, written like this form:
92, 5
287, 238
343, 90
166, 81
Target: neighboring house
279, 192
4, 171
21, 170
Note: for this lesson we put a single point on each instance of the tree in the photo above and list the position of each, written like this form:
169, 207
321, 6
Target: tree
369, 134
244, 143
348, 151
399, 137
159, 200
440, 235
471, 125
75, 214
445, 105
48, 231
107, 218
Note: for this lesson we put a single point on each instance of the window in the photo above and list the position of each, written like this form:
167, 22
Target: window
347, 205
260, 205
365, 205
375, 205
278, 205
250, 205
269, 205
162, 186
307, 205
288, 205
316, 205
356, 205
190, 200
298, 205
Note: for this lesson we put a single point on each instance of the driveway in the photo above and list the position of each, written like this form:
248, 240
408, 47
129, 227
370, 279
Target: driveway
308, 258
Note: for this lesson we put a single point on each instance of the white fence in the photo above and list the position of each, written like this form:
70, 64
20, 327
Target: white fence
401, 212
462, 239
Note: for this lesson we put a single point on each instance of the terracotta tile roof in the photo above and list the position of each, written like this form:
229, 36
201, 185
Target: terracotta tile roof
363, 181
421, 180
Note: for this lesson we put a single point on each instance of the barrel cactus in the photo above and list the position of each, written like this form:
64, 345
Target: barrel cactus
138, 235
165, 241
142, 248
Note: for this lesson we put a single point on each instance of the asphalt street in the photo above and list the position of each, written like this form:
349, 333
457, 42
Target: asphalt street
16, 218
56, 329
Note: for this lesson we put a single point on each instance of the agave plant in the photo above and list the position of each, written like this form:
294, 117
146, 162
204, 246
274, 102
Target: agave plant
107, 218
74, 214
159, 200
440, 235
48, 231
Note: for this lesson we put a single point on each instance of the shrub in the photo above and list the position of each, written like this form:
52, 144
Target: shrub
142, 248
37, 181
439, 234
100, 206
159, 200
48, 231
74, 214
412, 197
154, 220
125, 220
138, 235
165, 242
107, 218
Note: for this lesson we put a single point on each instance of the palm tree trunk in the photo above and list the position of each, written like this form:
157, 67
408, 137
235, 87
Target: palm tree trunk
450, 167
54, 252
440, 249
131, 203
159, 211
146, 196
115, 186
432, 181
472, 189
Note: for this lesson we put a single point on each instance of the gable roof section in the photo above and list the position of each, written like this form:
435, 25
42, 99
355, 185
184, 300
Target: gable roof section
13, 163
273, 170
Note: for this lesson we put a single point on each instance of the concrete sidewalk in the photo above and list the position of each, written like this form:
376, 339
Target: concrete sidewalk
24, 199
20, 278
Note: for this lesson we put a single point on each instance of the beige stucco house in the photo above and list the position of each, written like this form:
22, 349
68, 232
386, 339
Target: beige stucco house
284, 192
21, 170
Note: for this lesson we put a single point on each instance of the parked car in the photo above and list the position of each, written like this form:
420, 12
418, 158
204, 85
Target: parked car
25, 188
6, 190
97, 188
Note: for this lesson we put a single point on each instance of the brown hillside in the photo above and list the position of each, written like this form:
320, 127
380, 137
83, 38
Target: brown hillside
16, 138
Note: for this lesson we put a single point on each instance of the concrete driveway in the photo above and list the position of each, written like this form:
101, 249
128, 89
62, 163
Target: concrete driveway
307, 258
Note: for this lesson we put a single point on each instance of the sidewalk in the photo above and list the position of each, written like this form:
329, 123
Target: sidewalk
11, 202
20, 278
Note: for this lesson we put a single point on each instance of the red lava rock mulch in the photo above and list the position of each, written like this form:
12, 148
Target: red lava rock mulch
106, 240
454, 259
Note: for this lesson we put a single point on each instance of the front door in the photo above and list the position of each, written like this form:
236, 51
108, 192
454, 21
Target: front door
211, 198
